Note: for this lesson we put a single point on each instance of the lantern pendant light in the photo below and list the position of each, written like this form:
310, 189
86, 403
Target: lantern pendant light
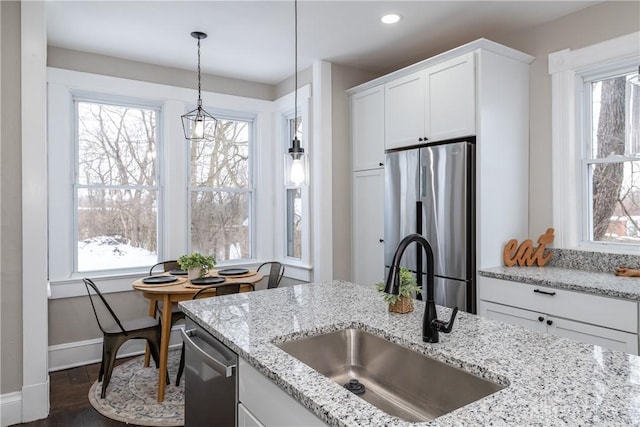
198, 124
296, 167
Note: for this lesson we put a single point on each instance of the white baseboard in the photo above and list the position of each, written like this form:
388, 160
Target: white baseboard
10, 408
80, 353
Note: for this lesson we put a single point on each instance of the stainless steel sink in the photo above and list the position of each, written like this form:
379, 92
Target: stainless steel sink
399, 381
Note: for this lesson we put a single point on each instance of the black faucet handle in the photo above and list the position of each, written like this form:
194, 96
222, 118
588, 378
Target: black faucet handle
443, 326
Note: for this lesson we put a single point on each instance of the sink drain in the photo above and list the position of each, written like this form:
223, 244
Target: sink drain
355, 387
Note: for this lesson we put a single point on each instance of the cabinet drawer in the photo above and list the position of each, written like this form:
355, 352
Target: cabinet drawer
594, 309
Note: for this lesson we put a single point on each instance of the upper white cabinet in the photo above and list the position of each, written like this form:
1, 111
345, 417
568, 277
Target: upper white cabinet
404, 111
367, 129
431, 105
450, 110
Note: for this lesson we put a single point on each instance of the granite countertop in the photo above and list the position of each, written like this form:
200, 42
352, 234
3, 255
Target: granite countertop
594, 282
551, 381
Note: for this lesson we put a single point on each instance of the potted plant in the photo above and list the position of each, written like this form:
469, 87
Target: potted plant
196, 264
403, 302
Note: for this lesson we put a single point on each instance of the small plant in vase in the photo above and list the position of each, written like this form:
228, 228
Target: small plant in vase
403, 302
196, 264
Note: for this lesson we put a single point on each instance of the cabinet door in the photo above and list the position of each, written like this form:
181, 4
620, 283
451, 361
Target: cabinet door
367, 129
368, 227
451, 99
596, 335
514, 316
246, 418
404, 111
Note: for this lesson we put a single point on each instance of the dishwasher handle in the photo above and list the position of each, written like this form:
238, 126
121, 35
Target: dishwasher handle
217, 365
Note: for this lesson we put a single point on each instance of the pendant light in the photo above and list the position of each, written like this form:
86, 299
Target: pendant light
296, 168
196, 123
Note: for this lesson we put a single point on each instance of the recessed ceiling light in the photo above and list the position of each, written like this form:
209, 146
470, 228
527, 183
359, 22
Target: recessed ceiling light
391, 18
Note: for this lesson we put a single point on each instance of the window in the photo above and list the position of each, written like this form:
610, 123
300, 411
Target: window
126, 189
611, 166
116, 186
293, 205
595, 146
222, 191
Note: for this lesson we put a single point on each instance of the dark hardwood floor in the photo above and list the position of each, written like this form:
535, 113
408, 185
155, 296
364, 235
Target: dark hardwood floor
69, 400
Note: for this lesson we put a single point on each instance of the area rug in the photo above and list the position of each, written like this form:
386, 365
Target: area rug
132, 394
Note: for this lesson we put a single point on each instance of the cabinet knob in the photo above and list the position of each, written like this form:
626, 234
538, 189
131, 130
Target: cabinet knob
540, 319
549, 322
420, 139
425, 138
381, 240
381, 164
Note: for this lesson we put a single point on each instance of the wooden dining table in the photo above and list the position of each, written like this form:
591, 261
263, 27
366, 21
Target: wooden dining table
181, 290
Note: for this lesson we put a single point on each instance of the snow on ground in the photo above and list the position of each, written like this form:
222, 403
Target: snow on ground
111, 252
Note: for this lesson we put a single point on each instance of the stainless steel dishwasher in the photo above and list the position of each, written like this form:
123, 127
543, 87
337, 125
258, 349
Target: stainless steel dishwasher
211, 380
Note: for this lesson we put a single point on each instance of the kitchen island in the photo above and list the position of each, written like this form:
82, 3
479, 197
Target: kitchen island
550, 380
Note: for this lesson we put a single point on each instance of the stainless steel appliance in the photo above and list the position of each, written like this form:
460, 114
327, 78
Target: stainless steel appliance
430, 190
211, 380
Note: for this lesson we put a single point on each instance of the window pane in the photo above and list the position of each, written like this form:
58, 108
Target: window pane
224, 161
220, 224
116, 144
116, 228
615, 116
294, 223
616, 201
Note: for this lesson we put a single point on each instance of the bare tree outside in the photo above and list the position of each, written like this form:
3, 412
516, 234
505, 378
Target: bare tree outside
116, 189
616, 181
221, 192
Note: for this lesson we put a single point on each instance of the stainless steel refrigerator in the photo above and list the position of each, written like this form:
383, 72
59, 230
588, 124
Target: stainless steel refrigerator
430, 190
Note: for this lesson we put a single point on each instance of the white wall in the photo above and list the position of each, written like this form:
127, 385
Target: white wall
592, 25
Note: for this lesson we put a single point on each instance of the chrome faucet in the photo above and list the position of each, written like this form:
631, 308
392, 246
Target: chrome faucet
431, 326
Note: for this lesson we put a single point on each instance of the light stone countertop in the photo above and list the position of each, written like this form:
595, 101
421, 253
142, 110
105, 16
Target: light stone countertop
594, 282
552, 381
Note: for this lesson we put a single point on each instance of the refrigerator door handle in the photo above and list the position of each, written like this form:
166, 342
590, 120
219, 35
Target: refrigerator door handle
423, 183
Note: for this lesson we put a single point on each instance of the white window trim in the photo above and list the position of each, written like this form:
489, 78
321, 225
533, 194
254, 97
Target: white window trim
298, 268
567, 68
173, 101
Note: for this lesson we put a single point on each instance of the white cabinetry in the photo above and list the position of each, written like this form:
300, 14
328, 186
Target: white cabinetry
480, 89
431, 105
367, 136
367, 129
593, 319
264, 404
368, 226
450, 96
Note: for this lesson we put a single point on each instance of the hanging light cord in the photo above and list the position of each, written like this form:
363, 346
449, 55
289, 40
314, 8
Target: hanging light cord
295, 71
199, 99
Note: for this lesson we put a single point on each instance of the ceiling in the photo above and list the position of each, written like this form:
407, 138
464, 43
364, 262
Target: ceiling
254, 40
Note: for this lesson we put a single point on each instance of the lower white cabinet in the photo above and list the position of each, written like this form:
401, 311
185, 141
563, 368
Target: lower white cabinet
368, 227
264, 404
592, 319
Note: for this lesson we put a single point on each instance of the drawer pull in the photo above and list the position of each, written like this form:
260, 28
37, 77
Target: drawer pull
544, 292
549, 322
540, 319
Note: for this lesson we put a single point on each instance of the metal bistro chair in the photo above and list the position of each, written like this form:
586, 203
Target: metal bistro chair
167, 266
229, 289
276, 271
115, 335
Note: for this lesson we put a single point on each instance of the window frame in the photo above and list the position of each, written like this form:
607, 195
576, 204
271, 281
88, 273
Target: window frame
298, 268
251, 190
80, 96
61, 84
569, 69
